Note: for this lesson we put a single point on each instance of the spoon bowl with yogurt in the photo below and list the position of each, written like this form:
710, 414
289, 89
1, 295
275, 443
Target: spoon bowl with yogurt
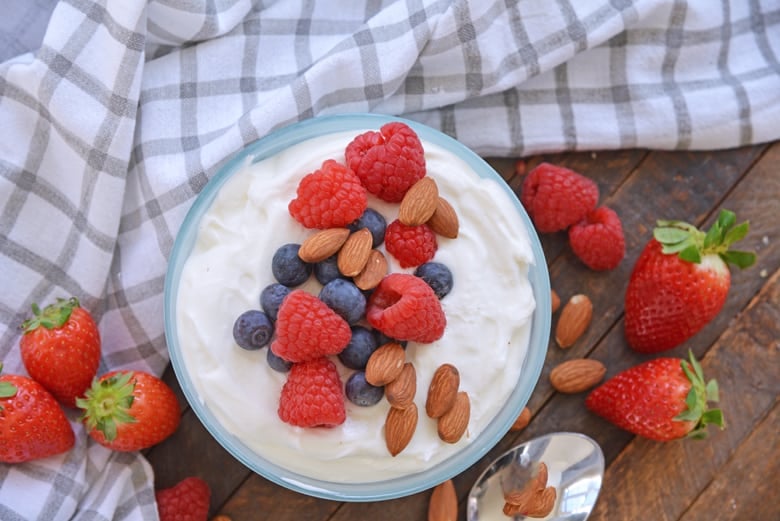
575, 466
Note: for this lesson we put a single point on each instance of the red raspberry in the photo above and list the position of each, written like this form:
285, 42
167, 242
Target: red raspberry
188, 500
313, 396
306, 328
387, 162
329, 197
405, 307
411, 245
556, 197
598, 239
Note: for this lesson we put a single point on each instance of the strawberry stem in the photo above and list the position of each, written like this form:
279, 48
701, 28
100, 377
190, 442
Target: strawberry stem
691, 244
107, 403
696, 401
53, 316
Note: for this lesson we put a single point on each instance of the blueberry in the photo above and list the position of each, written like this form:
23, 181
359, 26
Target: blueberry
327, 270
375, 223
288, 268
271, 298
252, 329
437, 276
360, 392
277, 363
346, 299
359, 349
382, 339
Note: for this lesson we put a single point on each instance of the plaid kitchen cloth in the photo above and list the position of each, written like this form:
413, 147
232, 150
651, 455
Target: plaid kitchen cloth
114, 121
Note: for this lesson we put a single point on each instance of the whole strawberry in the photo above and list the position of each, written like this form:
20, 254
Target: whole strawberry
680, 282
188, 500
129, 410
60, 349
662, 399
32, 424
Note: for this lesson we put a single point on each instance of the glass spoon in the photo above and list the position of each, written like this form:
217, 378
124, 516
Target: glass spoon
575, 467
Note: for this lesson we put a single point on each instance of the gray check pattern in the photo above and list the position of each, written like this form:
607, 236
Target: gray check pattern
123, 111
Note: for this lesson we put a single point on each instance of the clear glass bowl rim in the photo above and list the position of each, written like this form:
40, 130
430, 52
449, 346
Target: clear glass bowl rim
269, 145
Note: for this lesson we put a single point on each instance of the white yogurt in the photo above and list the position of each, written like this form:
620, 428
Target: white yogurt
488, 315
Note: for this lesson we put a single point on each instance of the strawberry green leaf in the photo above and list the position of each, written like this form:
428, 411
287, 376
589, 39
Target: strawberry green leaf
740, 259
712, 391
669, 235
697, 398
726, 219
53, 316
7, 390
691, 254
714, 236
737, 233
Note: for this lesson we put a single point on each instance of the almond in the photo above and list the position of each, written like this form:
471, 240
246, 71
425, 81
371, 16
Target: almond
399, 428
419, 202
373, 272
555, 301
400, 392
535, 499
322, 244
442, 391
385, 364
454, 422
574, 320
444, 220
443, 505
575, 376
354, 254
522, 420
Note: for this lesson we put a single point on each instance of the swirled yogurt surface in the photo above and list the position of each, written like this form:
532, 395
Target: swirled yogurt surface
488, 315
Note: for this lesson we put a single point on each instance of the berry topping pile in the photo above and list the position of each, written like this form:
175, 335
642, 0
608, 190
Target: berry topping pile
360, 307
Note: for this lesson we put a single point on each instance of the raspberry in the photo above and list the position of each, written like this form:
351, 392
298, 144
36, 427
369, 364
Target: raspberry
598, 239
387, 162
312, 396
405, 307
411, 245
329, 197
306, 328
188, 500
556, 197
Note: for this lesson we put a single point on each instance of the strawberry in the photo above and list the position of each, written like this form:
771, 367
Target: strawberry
129, 410
680, 282
32, 424
188, 500
60, 349
662, 399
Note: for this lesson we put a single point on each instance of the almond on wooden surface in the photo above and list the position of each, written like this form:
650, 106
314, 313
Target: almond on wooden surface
574, 320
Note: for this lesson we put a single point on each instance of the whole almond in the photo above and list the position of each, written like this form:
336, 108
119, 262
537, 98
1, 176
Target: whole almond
555, 301
400, 392
575, 376
444, 220
574, 320
443, 505
373, 272
442, 391
452, 424
355, 252
385, 364
419, 202
322, 244
522, 421
400, 425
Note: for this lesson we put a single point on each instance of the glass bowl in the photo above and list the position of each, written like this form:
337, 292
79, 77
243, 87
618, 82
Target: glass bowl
397, 486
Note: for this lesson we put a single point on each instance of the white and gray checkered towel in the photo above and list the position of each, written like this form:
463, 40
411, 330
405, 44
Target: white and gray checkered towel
114, 122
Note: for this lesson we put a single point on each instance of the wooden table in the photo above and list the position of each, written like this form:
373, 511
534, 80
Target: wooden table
734, 474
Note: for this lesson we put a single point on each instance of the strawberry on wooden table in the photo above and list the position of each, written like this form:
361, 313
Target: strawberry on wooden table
129, 410
662, 399
680, 282
60, 349
32, 423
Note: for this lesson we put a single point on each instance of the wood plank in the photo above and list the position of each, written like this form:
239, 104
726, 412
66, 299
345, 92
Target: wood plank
746, 487
744, 361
